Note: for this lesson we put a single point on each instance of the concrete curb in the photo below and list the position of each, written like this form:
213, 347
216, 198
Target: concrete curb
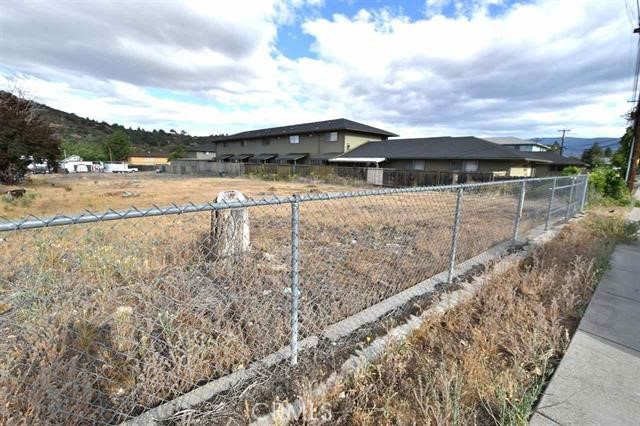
288, 412
333, 332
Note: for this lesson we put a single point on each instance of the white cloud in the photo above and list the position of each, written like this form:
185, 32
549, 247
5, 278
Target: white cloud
524, 72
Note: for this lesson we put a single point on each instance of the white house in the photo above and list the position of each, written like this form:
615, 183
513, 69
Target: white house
75, 164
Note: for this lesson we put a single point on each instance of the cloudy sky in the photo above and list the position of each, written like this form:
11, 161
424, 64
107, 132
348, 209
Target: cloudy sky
418, 68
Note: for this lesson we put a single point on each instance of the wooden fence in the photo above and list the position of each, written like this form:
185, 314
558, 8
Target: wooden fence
374, 176
396, 178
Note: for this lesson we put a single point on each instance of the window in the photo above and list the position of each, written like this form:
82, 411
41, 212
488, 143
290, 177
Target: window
331, 137
294, 139
244, 143
224, 144
471, 166
455, 165
266, 141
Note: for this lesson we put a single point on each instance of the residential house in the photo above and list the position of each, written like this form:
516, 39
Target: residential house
75, 164
311, 143
454, 154
519, 144
205, 151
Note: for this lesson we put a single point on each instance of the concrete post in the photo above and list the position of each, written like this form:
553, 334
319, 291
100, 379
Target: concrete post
230, 227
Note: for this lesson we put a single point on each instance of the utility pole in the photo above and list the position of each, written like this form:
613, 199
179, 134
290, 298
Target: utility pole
562, 144
634, 153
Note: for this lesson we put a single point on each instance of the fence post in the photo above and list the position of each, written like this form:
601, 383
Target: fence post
553, 194
516, 228
584, 193
573, 185
454, 235
295, 293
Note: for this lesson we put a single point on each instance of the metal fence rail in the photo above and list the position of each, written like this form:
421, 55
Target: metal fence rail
106, 315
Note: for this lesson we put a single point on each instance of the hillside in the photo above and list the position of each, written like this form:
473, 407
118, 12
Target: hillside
69, 126
73, 128
575, 146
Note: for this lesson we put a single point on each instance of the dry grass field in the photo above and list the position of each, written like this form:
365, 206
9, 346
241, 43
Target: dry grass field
103, 321
67, 194
487, 360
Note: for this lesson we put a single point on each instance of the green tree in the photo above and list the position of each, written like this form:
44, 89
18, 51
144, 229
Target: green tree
24, 137
608, 152
88, 149
179, 152
555, 147
117, 146
593, 156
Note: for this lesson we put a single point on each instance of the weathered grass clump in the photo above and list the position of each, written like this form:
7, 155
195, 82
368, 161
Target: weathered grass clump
486, 361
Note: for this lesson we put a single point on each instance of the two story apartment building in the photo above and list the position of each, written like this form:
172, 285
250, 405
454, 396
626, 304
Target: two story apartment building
311, 143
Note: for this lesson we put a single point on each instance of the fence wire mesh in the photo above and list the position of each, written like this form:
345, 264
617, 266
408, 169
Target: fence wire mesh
103, 320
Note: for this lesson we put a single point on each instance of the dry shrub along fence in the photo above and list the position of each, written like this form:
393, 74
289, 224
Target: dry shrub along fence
105, 316
398, 178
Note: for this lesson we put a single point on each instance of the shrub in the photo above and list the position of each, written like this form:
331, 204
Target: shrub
606, 182
571, 171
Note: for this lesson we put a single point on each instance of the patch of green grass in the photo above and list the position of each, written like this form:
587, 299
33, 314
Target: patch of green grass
23, 201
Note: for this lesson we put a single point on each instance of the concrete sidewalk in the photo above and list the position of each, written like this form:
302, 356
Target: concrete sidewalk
598, 379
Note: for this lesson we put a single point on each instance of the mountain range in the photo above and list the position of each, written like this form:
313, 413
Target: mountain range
573, 147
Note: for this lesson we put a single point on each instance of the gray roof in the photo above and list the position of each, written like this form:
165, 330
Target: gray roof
556, 158
264, 157
315, 127
207, 147
325, 156
447, 148
292, 156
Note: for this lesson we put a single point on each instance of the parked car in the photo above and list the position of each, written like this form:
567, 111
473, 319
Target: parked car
119, 168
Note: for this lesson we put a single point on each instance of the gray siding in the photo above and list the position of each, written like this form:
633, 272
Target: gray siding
314, 143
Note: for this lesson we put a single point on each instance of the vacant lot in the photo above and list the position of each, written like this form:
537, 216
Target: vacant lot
102, 321
51, 194
487, 360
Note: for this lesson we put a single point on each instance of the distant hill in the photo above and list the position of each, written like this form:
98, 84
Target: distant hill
69, 126
574, 146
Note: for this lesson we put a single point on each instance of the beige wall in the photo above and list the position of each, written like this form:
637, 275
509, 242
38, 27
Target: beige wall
352, 141
135, 160
484, 166
204, 155
314, 143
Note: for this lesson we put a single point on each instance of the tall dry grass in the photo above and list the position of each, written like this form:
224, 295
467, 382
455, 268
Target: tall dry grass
103, 321
487, 360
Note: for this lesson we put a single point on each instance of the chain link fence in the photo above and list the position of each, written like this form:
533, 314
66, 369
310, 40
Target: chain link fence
106, 316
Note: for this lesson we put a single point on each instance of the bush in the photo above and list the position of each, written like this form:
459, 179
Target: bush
571, 171
606, 182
